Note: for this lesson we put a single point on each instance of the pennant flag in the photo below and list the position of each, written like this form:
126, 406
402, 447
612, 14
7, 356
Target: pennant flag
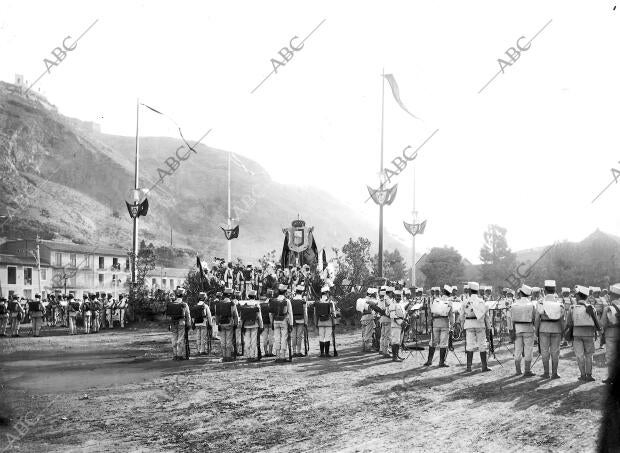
324, 260
175, 123
285, 251
415, 228
383, 196
240, 164
396, 92
231, 233
202, 272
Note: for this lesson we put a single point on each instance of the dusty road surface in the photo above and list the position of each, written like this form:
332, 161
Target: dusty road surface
120, 391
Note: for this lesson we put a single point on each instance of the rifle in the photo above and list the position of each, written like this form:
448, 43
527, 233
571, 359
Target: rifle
234, 335
186, 342
305, 339
242, 339
289, 329
334, 336
258, 332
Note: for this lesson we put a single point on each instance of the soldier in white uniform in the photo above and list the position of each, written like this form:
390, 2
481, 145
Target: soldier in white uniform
282, 320
251, 326
180, 319
522, 325
582, 319
610, 323
396, 312
201, 316
36, 310
550, 327
324, 311
475, 313
300, 321
442, 321
368, 318
122, 308
384, 320
227, 320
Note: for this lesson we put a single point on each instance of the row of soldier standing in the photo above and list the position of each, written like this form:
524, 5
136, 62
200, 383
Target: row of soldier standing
252, 328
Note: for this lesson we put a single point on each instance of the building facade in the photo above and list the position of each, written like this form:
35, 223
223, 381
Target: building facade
68, 268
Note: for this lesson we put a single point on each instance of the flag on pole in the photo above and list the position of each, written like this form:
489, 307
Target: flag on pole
396, 92
383, 196
415, 228
231, 233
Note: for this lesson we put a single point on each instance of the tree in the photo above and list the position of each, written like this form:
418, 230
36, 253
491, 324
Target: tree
443, 265
193, 286
356, 263
140, 298
498, 261
394, 267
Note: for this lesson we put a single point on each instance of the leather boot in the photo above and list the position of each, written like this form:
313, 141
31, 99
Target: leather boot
327, 343
528, 369
483, 360
518, 367
431, 353
395, 357
546, 370
554, 368
322, 346
470, 359
443, 352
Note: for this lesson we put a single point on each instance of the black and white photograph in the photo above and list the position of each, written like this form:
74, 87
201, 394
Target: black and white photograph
330, 226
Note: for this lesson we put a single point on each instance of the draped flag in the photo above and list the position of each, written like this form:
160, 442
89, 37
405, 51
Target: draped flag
203, 276
415, 228
137, 210
285, 251
231, 233
383, 196
396, 92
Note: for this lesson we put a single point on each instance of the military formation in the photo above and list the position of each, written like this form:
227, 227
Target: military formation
93, 312
275, 323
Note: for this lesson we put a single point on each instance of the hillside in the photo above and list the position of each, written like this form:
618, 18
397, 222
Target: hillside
62, 178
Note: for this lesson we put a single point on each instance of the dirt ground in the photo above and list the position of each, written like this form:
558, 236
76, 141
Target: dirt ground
119, 390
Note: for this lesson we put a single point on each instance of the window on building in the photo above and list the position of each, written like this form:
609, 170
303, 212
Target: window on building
101, 261
101, 279
72, 259
163, 282
172, 283
12, 275
127, 264
153, 281
115, 264
87, 261
58, 259
43, 274
27, 276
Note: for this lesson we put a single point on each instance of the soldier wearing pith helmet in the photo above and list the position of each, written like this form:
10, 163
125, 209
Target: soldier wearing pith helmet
325, 311
550, 326
475, 313
583, 323
442, 319
521, 323
610, 323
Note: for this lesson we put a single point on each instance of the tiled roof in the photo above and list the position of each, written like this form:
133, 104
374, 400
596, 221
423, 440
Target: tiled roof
17, 259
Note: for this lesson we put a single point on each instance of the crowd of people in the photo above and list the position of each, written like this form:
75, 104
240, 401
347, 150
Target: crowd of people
94, 311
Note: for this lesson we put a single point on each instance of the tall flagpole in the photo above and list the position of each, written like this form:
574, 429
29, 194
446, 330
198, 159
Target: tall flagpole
229, 219
413, 240
134, 247
381, 173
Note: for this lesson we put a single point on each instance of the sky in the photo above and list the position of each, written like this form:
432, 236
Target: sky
529, 152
